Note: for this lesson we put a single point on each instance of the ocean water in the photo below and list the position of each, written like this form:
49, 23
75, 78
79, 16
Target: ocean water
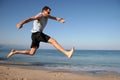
88, 61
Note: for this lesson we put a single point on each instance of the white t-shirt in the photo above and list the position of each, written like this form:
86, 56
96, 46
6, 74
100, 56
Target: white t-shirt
39, 25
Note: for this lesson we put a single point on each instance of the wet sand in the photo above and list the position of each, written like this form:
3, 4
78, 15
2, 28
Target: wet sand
17, 73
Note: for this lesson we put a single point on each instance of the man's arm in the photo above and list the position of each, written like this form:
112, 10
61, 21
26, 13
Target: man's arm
57, 19
19, 25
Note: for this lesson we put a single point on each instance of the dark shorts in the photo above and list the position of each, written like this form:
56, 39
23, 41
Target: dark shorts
37, 38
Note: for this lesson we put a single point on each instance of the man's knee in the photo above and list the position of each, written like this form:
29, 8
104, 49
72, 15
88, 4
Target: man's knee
32, 51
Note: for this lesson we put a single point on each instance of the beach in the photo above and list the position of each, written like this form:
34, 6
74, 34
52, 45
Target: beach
17, 73
52, 65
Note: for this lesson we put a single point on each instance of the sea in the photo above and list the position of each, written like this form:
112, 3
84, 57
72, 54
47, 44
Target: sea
86, 61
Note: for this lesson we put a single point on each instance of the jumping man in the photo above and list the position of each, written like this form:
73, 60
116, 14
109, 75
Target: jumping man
40, 21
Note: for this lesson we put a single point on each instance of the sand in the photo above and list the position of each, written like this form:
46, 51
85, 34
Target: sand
17, 73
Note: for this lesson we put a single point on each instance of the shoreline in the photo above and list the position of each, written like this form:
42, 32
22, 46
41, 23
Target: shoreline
41, 66
32, 66
13, 72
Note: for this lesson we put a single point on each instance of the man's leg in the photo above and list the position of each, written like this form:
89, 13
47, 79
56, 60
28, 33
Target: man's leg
58, 47
27, 52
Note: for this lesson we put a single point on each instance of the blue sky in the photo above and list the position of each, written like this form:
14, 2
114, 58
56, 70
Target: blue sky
90, 24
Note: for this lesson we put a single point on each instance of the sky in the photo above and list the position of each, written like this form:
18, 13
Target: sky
90, 24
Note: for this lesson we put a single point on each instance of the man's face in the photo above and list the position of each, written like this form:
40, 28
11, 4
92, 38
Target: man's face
46, 12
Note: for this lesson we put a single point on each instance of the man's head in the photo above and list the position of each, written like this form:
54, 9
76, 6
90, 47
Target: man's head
46, 11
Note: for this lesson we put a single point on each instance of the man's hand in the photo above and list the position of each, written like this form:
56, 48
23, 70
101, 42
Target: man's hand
19, 25
61, 20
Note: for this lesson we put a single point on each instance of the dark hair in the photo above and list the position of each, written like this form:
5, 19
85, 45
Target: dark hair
46, 8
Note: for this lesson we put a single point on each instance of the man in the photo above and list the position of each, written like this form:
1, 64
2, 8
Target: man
40, 21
